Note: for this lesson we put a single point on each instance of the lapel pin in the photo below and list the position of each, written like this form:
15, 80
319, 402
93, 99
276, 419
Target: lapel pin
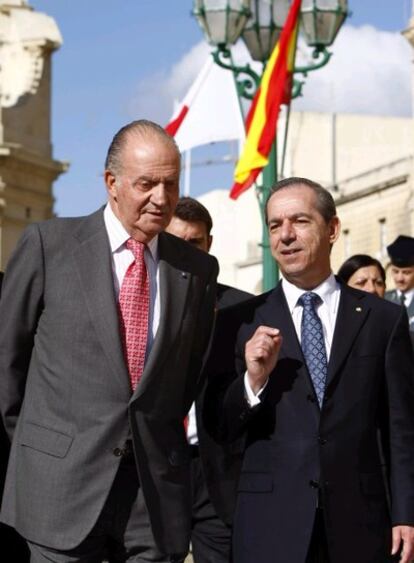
358, 309
184, 275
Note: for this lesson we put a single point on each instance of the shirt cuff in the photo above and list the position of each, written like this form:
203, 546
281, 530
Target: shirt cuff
252, 398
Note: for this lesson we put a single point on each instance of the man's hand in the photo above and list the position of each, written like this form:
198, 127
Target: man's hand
261, 355
406, 535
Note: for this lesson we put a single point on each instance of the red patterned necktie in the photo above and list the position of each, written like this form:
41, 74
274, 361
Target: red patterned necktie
134, 312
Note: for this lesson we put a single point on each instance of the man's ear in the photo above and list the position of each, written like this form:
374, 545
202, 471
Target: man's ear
335, 228
110, 182
209, 242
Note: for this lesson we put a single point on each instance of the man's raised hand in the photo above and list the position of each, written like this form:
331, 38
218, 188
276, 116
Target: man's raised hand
261, 354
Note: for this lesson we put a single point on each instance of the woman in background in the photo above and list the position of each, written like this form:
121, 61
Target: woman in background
363, 272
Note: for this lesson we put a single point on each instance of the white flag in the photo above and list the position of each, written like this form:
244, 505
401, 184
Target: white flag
210, 112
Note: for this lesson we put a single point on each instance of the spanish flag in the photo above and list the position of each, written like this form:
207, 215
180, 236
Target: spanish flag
274, 90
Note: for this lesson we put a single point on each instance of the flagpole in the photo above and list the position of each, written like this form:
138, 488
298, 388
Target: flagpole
269, 178
270, 272
277, 85
187, 172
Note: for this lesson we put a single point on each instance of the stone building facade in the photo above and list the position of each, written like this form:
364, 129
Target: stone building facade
366, 162
27, 167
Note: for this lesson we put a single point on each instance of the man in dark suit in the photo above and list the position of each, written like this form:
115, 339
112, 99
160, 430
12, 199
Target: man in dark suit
105, 321
401, 253
318, 368
210, 533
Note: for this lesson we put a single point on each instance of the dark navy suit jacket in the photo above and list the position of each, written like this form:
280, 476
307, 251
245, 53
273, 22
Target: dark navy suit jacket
290, 455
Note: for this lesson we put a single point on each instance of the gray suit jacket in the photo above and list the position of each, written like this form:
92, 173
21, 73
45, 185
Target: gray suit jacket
393, 297
64, 387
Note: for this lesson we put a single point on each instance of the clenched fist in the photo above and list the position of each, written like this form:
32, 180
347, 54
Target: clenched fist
261, 355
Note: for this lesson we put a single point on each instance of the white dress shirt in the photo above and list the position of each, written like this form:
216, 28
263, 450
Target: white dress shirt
329, 291
192, 434
408, 296
122, 258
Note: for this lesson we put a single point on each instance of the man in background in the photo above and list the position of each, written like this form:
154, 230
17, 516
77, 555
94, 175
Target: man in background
105, 322
192, 222
401, 253
210, 536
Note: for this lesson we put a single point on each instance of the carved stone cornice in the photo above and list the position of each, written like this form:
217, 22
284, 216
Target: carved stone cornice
25, 38
17, 157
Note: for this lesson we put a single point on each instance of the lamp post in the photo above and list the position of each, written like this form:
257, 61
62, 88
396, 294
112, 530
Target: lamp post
259, 24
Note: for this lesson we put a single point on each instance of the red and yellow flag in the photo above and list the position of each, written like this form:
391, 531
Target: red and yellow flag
274, 90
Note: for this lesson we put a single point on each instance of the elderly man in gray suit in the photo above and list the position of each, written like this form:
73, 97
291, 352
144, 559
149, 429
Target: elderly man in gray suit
105, 322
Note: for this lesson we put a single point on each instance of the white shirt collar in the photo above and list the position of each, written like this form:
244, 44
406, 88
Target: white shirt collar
325, 291
408, 294
118, 235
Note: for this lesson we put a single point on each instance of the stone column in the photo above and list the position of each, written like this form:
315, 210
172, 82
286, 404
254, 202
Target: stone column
27, 166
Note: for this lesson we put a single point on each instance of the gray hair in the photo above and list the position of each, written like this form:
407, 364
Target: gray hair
142, 128
325, 203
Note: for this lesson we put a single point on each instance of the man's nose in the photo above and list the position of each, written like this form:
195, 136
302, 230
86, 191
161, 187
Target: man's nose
159, 194
287, 232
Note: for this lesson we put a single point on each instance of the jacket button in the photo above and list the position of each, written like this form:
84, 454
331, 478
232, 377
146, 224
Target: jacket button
314, 484
117, 452
174, 458
322, 441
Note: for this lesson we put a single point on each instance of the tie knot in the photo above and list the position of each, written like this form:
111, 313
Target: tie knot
309, 299
137, 248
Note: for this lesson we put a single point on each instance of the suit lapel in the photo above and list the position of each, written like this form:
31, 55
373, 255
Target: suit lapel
92, 258
276, 314
175, 280
410, 309
393, 297
352, 313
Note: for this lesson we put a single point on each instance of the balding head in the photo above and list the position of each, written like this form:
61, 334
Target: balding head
141, 129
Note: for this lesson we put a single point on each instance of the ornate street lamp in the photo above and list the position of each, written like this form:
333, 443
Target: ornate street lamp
259, 23
263, 28
321, 20
222, 20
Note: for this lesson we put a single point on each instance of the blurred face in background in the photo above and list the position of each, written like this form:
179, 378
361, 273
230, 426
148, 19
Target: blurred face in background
194, 232
403, 277
368, 279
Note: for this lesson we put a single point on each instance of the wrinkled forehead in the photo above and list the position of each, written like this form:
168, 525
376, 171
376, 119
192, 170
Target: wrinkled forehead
149, 139
152, 157
291, 200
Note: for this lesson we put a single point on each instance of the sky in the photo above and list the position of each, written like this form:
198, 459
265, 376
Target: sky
131, 59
